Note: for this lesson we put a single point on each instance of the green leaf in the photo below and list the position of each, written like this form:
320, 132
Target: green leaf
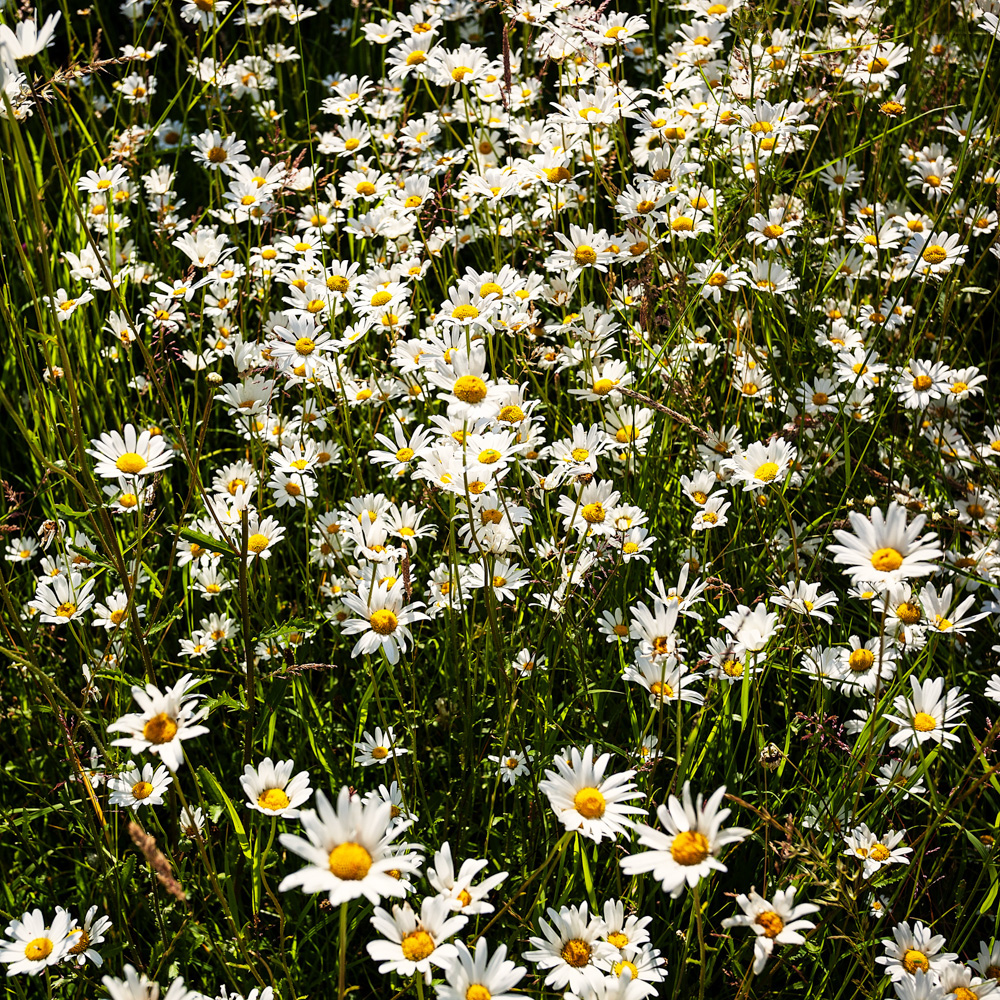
208, 780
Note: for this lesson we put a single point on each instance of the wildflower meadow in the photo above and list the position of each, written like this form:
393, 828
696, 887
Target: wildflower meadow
500, 499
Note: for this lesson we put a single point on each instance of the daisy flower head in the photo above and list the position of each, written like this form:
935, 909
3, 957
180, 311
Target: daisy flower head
573, 949
135, 986
270, 788
875, 852
513, 764
61, 599
378, 749
584, 799
688, 851
165, 720
32, 945
349, 850
456, 888
382, 620
760, 464
914, 950
479, 975
84, 935
129, 454
775, 921
930, 714
883, 549
583, 248
412, 943
137, 787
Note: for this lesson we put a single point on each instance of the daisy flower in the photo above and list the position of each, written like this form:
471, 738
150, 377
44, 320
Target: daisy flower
572, 949
874, 852
377, 749
134, 787
457, 890
583, 248
166, 718
759, 465
61, 599
32, 946
914, 950
349, 850
382, 620
584, 799
480, 975
928, 714
514, 763
270, 788
778, 921
135, 986
129, 454
688, 851
84, 935
884, 549
412, 944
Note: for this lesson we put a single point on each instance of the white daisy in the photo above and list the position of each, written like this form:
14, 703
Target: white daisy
778, 921
270, 788
412, 944
688, 851
137, 787
32, 945
584, 799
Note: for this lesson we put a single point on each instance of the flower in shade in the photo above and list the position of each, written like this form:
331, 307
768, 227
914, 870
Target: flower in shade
885, 549
135, 986
584, 799
270, 788
349, 849
778, 921
457, 890
688, 851
167, 718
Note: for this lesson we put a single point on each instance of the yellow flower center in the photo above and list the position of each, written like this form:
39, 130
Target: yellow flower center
273, 799
256, 543
404, 454
619, 967
585, 255
383, 621
142, 790
38, 950
766, 472
908, 613
417, 945
216, 154
887, 560
465, 311
771, 922
732, 668
470, 389
959, 387
337, 283
922, 382
159, 729
773, 231
891, 108
934, 254
593, 513
603, 386
758, 127
130, 463
489, 456
512, 414
478, 992
861, 660
879, 852
304, 346
83, 944
66, 610
924, 723
575, 953
380, 298
350, 861
689, 847
490, 288
416, 58
589, 803
913, 960
459, 73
